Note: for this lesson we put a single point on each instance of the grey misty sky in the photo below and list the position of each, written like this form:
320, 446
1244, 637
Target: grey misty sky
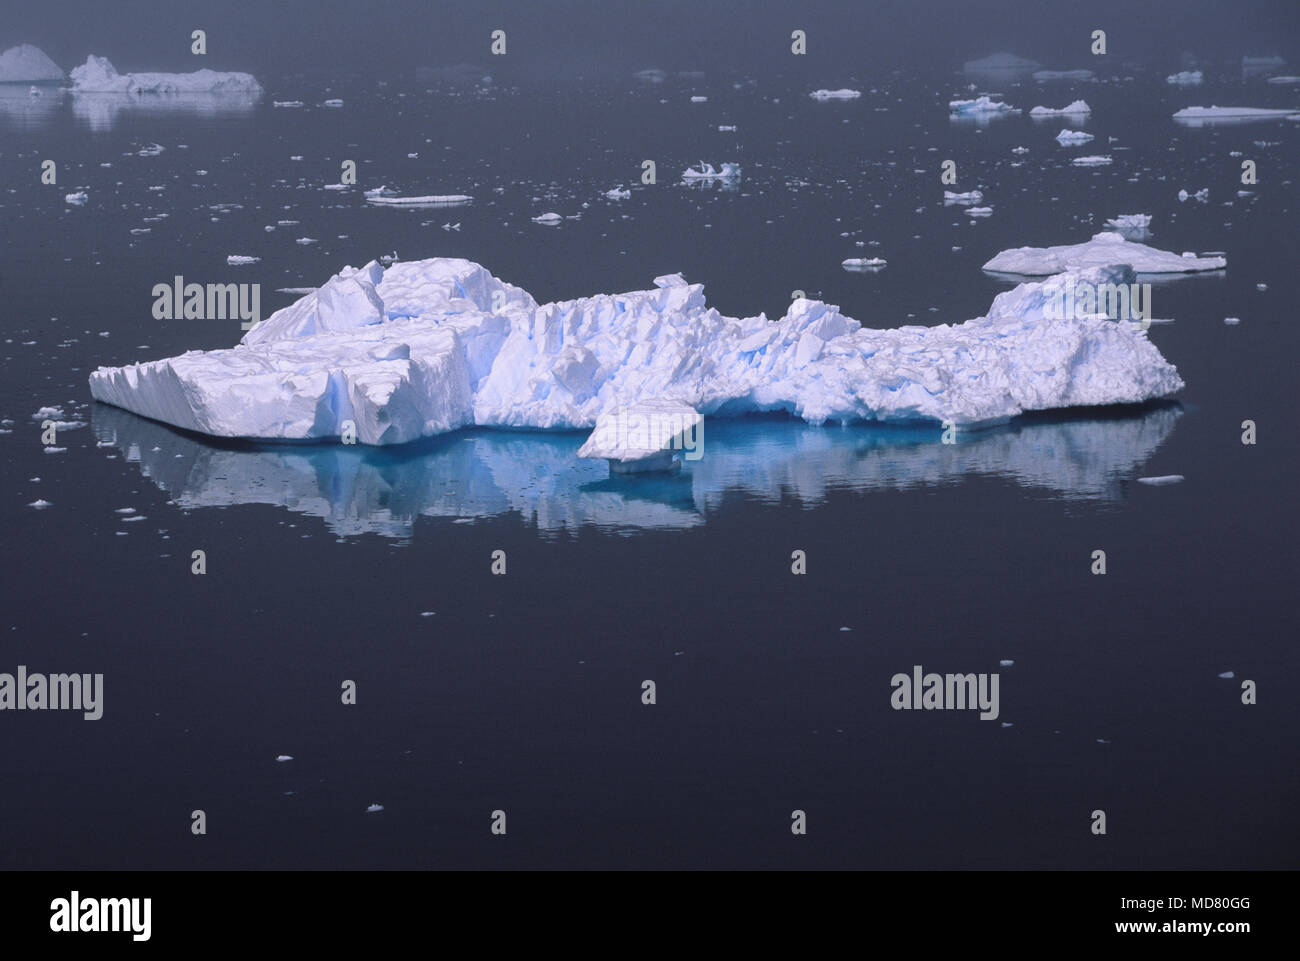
389, 38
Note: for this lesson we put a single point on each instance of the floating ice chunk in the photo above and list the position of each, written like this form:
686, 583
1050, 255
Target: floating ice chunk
374, 808
1162, 480
1203, 195
617, 194
98, 75
979, 211
1232, 321
77, 199
1185, 78
1020, 150
1103, 249
726, 127
332, 103
1130, 222
969, 197
652, 75
433, 200
284, 757
1005, 663
286, 103
1284, 80
705, 171
864, 263
238, 260
670, 280
844, 93
1095, 160
1227, 675
1073, 136
26, 63
1044, 75
1078, 108
644, 436
40, 505
980, 105
427, 347
1195, 115
699, 99
550, 219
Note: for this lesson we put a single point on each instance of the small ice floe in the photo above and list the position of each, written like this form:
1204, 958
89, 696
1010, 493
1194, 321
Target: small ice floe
844, 93
77, 199
705, 171
450, 226
1020, 150
55, 450
1284, 80
284, 757
332, 103
864, 264
1227, 675
979, 106
1006, 724
979, 211
40, 505
1162, 480
726, 128
374, 808
1232, 321
238, 260
1185, 78
1203, 195
336, 186
1130, 222
153, 150
428, 613
1078, 108
1201, 115
306, 240
550, 219
286, 103
1073, 136
1102, 740
433, 200
644, 436
124, 510
617, 194
846, 628
698, 99
1005, 663
1044, 75
969, 197
1261, 287
1091, 161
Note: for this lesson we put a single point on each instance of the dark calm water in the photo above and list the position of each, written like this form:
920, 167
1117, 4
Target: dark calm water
523, 693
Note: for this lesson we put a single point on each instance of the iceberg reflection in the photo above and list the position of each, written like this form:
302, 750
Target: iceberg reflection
101, 111
479, 473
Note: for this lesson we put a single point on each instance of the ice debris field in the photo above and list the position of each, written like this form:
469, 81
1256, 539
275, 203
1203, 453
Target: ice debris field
426, 347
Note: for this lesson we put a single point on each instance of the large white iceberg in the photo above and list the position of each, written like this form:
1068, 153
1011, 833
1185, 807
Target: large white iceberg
98, 75
1077, 108
1103, 249
426, 347
27, 64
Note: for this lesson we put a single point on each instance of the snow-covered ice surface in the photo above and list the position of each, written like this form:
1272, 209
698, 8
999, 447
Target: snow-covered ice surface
427, 347
28, 64
98, 75
1103, 249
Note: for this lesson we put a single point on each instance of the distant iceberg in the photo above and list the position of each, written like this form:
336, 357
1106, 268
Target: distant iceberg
98, 75
1001, 62
1130, 222
28, 64
980, 105
842, 94
1185, 78
1077, 108
427, 347
1044, 75
1103, 249
1068, 136
969, 197
1198, 115
433, 200
705, 171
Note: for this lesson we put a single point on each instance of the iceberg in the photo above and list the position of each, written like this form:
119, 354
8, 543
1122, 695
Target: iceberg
1077, 108
28, 64
844, 93
98, 75
969, 197
1199, 115
1186, 78
1103, 249
431, 346
1095, 160
978, 106
1067, 136
433, 200
1130, 222
1044, 75
865, 264
729, 171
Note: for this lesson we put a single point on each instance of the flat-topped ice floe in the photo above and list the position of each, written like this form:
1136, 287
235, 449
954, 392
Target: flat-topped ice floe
1045, 75
1078, 108
433, 200
969, 197
1229, 114
1185, 78
1103, 249
844, 93
28, 64
426, 347
98, 75
1067, 137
